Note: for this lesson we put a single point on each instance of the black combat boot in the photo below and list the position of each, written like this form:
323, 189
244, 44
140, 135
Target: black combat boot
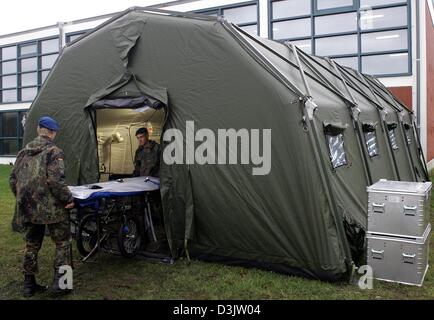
55, 288
31, 287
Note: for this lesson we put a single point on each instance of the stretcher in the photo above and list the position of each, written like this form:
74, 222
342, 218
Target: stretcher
102, 199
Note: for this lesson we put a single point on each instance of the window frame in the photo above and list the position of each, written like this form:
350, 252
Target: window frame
319, 12
75, 33
20, 131
359, 32
18, 72
219, 10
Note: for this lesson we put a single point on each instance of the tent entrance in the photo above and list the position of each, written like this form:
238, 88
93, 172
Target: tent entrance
116, 122
117, 143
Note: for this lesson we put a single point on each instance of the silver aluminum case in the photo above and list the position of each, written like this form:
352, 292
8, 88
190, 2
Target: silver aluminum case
399, 208
401, 260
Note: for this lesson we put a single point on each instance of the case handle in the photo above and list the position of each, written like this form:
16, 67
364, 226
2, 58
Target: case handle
378, 207
377, 254
408, 258
410, 210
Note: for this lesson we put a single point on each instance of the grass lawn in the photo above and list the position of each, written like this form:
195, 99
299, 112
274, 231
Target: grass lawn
113, 277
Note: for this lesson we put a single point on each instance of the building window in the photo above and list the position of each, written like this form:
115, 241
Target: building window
24, 68
11, 132
245, 15
334, 5
75, 35
371, 36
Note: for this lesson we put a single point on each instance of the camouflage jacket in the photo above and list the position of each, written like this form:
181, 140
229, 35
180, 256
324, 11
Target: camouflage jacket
147, 160
38, 182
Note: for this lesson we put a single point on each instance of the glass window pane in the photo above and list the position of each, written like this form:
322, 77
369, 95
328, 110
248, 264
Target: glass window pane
28, 94
333, 46
29, 64
372, 3
383, 18
212, 13
9, 53
408, 135
44, 75
305, 45
49, 46
292, 29
392, 139
9, 67
76, 36
253, 29
291, 8
9, 81
241, 14
9, 124
337, 150
385, 64
28, 49
29, 79
336, 23
9, 95
330, 4
384, 41
352, 62
9, 147
371, 143
48, 61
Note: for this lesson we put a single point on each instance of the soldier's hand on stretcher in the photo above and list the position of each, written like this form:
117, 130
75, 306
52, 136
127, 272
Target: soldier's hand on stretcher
69, 205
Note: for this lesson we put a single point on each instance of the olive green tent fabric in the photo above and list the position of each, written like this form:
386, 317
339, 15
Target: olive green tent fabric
305, 217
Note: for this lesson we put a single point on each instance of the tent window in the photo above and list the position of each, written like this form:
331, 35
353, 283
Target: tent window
337, 151
392, 139
408, 133
371, 139
371, 143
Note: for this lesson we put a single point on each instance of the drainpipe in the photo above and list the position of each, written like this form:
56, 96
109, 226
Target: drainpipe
60, 25
418, 124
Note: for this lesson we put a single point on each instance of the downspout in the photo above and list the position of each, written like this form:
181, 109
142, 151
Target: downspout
418, 68
62, 41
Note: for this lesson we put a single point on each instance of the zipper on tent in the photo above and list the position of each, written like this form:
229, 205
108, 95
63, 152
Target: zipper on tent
407, 147
310, 107
383, 125
355, 112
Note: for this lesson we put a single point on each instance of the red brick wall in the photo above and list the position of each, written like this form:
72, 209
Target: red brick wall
404, 94
430, 82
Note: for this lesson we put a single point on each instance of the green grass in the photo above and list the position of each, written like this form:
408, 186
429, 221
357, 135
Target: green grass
113, 277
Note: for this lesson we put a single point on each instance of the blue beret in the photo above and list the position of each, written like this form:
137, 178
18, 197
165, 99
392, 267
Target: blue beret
49, 123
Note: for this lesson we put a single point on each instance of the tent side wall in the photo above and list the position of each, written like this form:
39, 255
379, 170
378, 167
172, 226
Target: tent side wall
280, 218
82, 69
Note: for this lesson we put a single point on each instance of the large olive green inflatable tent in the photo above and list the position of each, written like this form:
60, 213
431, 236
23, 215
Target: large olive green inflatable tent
334, 131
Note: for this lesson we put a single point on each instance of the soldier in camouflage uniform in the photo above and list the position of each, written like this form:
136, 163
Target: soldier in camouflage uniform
147, 163
147, 157
38, 182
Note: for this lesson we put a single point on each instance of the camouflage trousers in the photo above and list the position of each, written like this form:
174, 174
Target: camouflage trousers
34, 235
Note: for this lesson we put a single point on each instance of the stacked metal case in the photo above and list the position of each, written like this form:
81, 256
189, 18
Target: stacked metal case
398, 230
